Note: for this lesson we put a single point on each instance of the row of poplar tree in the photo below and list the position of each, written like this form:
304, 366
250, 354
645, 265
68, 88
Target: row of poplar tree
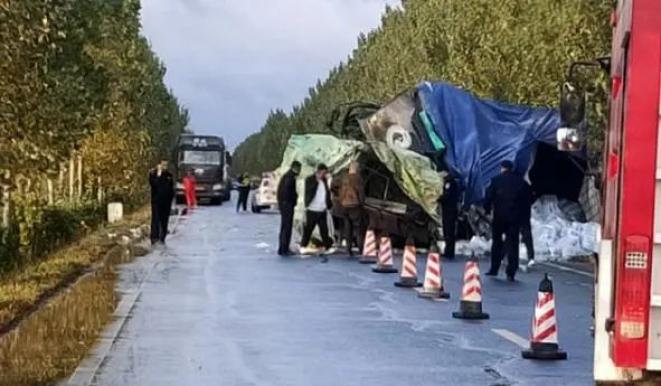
82, 102
510, 50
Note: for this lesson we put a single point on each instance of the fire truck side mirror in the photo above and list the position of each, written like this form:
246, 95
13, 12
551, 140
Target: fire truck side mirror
569, 139
572, 114
572, 106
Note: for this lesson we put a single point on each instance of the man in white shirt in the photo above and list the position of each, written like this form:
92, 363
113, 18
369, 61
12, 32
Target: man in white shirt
317, 204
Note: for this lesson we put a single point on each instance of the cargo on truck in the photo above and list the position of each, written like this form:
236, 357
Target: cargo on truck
467, 136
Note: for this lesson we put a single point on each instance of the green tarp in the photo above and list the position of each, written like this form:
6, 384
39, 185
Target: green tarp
415, 175
412, 172
312, 149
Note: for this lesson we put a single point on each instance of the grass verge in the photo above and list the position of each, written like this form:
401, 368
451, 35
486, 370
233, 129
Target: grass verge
53, 311
23, 290
49, 345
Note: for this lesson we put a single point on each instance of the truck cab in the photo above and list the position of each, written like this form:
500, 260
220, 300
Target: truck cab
206, 158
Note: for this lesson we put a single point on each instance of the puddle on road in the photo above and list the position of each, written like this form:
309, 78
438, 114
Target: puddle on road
49, 344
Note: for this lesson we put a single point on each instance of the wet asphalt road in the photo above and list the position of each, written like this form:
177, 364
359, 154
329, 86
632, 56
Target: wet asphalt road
220, 308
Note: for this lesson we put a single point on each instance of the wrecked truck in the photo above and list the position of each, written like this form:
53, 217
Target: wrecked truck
408, 145
402, 187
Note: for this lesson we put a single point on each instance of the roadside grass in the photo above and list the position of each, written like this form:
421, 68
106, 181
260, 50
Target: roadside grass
23, 289
49, 344
52, 312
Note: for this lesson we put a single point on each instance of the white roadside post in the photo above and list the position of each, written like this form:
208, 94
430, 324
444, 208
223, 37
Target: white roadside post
115, 212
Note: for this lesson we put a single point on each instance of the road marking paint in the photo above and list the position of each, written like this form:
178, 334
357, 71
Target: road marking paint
512, 337
567, 269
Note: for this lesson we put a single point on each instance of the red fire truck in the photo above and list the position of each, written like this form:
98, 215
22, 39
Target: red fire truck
628, 291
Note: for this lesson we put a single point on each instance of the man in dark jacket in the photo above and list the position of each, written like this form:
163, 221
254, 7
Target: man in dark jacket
244, 192
526, 228
287, 198
507, 196
450, 213
162, 193
317, 204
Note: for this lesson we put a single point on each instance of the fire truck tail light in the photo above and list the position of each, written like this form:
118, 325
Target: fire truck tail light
635, 260
632, 330
632, 320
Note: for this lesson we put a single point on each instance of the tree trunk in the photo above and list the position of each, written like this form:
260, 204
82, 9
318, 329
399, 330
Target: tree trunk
49, 185
80, 177
5, 206
99, 192
72, 170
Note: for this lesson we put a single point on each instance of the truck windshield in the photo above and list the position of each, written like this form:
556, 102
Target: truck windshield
200, 157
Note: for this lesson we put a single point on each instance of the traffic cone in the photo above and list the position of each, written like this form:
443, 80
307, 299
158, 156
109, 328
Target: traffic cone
409, 272
544, 340
370, 250
433, 287
471, 294
384, 265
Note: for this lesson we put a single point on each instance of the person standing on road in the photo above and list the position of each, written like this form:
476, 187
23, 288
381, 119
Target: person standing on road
162, 193
526, 227
352, 199
190, 189
244, 192
287, 198
450, 213
317, 204
507, 196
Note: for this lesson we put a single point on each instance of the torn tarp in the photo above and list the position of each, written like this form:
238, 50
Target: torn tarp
413, 173
479, 134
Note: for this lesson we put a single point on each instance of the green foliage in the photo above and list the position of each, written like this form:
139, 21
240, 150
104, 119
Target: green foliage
72, 68
78, 80
39, 230
511, 50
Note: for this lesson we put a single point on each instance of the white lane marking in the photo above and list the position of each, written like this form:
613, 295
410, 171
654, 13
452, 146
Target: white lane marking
512, 337
567, 269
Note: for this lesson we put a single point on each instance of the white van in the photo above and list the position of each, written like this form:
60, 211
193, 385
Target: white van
266, 195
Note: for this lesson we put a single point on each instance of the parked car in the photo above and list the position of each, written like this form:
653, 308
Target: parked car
265, 196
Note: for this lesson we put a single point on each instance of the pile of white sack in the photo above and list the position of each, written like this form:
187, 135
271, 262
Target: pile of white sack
559, 232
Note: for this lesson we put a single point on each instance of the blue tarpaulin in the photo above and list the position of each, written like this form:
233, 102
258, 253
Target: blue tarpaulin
479, 134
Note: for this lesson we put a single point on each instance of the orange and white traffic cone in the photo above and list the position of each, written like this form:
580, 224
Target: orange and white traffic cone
409, 272
433, 286
385, 265
544, 340
471, 294
370, 249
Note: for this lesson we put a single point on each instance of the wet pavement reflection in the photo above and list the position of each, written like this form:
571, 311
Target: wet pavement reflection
219, 307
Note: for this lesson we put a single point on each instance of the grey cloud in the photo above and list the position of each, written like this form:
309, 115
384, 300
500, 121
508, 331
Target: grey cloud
232, 61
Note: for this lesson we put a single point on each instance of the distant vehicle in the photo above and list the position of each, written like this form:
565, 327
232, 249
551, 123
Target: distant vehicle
265, 195
207, 157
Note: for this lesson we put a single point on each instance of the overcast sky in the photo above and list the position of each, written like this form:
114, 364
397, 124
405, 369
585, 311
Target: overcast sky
232, 61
